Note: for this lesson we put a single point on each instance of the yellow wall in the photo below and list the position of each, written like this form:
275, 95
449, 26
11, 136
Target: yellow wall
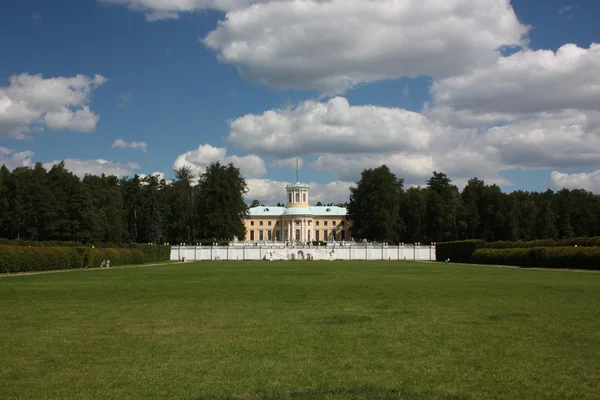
318, 224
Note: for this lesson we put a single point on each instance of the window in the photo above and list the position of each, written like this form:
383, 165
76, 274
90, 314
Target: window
269, 235
317, 236
343, 235
290, 198
325, 223
297, 197
317, 222
251, 223
276, 222
261, 223
333, 223
304, 197
261, 235
325, 234
251, 235
298, 234
269, 223
278, 235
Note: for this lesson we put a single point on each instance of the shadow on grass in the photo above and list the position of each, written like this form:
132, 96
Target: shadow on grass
501, 317
334, 394
343, 319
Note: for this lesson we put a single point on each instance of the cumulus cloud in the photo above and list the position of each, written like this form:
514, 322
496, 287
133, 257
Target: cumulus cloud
267, 190
122, 144
13, 159
290, 162
251, 166
589, 181
334, 126
348, 138
524, 83
156, 10
96, 167
32, 101
334, 45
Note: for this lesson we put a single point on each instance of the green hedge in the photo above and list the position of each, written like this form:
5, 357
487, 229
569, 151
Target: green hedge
585, 242
458, 251
542, 257
43, 258
463, 250
116, 257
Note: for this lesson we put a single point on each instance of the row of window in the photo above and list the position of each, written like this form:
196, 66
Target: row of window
326, 235
269, 223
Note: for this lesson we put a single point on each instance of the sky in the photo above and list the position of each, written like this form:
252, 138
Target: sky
506, 91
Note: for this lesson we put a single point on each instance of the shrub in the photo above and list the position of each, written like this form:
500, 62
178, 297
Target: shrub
41, 258
25, 258
116, 256
583, 241
151, 252
542, 257
574, 257
458, 251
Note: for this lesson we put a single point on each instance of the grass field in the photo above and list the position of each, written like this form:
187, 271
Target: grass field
301, 330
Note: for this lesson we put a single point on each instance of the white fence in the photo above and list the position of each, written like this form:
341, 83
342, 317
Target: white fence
275, 252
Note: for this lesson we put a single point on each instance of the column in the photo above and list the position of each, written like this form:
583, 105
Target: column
302, 227
289, 229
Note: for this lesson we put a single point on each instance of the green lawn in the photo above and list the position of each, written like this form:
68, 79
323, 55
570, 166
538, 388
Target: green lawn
301, 330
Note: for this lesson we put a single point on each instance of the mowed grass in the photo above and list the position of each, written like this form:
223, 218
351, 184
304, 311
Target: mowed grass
301, 330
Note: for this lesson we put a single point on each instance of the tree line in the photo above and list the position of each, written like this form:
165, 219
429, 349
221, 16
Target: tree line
382, 210
42, 205
54, 204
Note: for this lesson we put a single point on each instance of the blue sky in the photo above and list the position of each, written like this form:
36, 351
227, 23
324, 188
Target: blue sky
343, 85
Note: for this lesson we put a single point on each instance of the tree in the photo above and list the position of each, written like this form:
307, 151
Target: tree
153, 220
319, 204
255, 203
374, 207
220, 200
443, 202
413, 211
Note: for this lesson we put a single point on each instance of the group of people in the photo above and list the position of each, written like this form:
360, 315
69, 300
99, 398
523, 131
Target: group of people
105, 263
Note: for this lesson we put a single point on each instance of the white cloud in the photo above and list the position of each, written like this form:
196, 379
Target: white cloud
271, 191
565, 9
348, 139
589, 181
156, 10
31, 101
122, 144
524, 83
334, 45
288, 163
334, 126
13, 159
96, 167
124, 98
251, 166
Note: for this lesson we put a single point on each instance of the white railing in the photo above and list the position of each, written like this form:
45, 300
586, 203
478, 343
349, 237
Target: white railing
282, 252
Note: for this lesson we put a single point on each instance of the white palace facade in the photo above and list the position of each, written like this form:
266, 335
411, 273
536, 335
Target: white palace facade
297, 222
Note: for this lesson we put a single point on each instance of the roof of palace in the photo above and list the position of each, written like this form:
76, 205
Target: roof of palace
317, 211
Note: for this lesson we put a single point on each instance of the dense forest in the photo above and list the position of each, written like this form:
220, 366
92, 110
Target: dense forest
381, 209
40, 204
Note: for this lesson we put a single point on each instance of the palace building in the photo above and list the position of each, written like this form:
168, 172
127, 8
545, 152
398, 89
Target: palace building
297, 222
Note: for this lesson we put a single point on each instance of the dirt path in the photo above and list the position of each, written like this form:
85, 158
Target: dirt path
86, 269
